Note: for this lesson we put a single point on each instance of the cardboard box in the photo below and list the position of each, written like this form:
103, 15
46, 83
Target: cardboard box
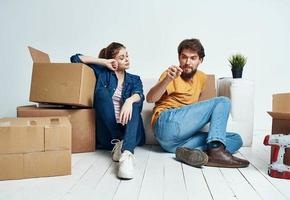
209, 90
20, 135
82, 122
281, 119
61, 83
35, 164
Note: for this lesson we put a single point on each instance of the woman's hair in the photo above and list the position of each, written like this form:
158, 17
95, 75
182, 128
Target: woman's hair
111, 51
192, 44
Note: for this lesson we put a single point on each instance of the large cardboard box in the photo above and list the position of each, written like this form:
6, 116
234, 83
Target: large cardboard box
61, 83
82, 122
35, 164
281, 119
34, 147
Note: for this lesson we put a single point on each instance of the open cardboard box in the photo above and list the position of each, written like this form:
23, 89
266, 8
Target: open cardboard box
61, 83
281, 119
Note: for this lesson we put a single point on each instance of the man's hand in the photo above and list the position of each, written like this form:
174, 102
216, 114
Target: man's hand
126, 112
173, 72
111, 64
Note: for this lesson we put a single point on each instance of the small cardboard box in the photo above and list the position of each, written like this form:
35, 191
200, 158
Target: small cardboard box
35, 164
281, 119
82, 122
61, 83
22, 135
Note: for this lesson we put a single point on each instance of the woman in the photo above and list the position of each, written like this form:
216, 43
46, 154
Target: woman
118, 103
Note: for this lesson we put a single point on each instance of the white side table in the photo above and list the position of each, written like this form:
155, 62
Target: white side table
241, 93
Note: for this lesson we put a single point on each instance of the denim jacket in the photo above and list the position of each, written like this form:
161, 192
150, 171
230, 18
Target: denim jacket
106, 84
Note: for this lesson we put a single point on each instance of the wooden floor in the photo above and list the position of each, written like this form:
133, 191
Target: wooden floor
158, 176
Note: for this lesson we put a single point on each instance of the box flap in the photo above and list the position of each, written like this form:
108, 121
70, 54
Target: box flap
279, 115
281, 103
38, 56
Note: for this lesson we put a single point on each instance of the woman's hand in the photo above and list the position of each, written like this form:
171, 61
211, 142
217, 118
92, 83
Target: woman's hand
111, 64
126, 112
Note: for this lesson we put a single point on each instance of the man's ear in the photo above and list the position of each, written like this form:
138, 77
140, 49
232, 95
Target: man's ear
201, 60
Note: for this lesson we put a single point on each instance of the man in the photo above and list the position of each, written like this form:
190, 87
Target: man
178, 116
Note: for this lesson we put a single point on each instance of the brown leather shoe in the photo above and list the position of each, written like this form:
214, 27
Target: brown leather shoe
219, 157
193, 157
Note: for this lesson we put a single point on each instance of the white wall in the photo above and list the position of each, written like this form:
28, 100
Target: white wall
151, 30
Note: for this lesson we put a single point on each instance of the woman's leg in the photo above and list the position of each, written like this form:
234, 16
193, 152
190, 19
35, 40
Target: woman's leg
134, 131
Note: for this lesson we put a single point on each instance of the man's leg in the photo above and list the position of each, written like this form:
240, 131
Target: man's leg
198, 141
176, 126
217, 145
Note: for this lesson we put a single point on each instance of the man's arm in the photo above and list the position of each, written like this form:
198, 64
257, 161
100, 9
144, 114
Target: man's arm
159, 89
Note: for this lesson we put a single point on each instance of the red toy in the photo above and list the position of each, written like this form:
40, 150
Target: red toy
277, 168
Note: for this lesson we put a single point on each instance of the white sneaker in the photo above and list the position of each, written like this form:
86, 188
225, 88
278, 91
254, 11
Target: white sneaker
126, 165
116, 152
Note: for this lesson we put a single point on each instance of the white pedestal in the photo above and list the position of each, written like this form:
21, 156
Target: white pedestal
241, 93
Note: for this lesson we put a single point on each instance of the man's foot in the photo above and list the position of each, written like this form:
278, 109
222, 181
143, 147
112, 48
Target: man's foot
219, 157
116, 152
193, 157
126, 165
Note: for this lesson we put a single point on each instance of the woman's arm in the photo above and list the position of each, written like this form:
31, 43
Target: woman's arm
127, 108
112, 64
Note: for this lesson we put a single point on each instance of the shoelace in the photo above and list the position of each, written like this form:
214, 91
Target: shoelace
117, 144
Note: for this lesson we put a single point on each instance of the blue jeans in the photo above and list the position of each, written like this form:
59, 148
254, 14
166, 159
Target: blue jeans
180, 127
132, 134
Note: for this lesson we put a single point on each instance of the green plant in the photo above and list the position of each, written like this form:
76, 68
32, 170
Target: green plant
237, 61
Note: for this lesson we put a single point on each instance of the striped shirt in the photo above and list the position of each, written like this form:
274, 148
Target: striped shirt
117, 102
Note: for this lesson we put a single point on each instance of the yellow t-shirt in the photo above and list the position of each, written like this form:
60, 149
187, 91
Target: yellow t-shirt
179, 93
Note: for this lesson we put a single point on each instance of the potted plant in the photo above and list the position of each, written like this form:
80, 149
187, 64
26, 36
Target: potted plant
237, 63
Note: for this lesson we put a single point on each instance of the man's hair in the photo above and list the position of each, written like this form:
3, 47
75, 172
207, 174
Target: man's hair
192, 44
111, 51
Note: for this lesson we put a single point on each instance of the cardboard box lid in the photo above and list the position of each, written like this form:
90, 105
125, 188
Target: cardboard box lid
33, 121
38, 56
281, 103
279, 115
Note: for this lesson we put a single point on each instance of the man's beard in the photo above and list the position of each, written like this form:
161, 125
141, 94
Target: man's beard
188, 76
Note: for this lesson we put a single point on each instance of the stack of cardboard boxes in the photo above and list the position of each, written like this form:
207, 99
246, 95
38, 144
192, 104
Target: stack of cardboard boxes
34, 147
40, 141
63, 89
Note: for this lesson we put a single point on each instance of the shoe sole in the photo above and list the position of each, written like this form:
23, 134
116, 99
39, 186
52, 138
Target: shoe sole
213, 164
115, 160
125, 176
193, 163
